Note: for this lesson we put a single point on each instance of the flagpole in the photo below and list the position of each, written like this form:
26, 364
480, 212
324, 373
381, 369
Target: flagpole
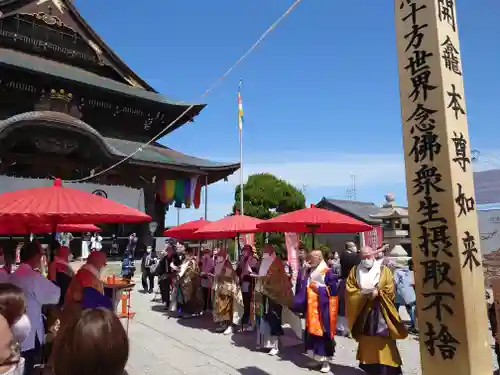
241, 172
240, 127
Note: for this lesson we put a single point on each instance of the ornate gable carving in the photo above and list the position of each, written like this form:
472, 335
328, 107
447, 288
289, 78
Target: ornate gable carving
58, 100
59, 31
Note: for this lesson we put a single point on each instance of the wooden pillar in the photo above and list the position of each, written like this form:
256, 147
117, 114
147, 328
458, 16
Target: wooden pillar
160, 211
454, 337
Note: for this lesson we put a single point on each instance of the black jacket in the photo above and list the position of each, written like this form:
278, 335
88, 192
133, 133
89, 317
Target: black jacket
348, 260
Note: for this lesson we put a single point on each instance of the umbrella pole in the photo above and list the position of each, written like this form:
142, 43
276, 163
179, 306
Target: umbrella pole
53, 241
238, 249
313, 240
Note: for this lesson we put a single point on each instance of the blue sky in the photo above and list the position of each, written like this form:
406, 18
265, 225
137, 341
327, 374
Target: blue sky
320, 93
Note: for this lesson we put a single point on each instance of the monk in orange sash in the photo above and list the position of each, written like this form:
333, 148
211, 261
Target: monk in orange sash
316, 298
87, 277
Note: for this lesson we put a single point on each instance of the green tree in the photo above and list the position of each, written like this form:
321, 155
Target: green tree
266, 196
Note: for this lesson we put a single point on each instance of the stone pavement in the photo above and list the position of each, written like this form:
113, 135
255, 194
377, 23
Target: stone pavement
164, 345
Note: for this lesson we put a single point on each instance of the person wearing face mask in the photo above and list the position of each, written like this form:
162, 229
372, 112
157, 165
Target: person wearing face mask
273, 289
166, 274
207, 272
348, 259
316, 299
246, 266
39, 291
11, 362
149, 259
372, 317
334, 262
188, 284
13, 308
228, 301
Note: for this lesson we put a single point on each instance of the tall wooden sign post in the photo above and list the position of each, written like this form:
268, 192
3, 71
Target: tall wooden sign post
454, 337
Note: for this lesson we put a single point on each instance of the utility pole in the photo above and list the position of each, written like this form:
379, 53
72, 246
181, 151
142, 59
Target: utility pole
351, 191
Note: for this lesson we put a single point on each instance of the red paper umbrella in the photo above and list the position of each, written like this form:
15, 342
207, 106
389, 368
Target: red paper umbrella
314, 220
7, 229
187, 230
230, 226
56, 205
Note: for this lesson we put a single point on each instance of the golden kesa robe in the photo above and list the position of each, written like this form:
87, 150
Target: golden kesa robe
189, 285
228, 300
273, 292
375, 350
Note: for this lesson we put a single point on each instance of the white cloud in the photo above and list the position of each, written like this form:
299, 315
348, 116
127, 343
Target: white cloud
325, 169
321, 172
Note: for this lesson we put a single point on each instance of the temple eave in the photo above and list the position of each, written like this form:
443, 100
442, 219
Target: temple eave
40, 65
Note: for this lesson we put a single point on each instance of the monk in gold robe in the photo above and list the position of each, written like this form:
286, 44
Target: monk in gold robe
228, 301
273, 291
189, 285
372, 317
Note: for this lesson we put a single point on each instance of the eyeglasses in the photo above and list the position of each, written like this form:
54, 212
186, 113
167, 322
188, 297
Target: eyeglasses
15, 355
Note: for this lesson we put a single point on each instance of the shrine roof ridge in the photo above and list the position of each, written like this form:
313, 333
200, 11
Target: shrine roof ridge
121, 67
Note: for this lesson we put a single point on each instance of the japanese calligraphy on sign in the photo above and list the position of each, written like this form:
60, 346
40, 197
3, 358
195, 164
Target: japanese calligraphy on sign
443, 219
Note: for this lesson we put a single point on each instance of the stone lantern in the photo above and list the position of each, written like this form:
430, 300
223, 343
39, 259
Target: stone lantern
393, 217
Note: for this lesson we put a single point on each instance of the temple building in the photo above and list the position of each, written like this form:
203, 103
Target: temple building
389, 221
70, 107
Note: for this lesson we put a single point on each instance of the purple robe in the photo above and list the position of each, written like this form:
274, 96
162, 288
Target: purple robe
320, 346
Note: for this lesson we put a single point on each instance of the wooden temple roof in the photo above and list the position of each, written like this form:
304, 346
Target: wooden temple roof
153, 155
65, 15
89, 66
37, 64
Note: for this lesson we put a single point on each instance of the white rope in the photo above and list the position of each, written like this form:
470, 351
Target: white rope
209, 90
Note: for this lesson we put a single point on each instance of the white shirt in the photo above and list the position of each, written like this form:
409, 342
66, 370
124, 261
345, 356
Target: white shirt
96, 242
38, 291
65, 238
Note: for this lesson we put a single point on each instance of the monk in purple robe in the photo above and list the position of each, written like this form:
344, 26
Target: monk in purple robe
316, 298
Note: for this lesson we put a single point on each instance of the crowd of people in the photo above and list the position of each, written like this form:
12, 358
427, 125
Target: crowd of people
59, 324
65, 323
355, 293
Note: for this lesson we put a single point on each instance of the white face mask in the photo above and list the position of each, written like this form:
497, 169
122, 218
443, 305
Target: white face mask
17, 369
367, 263
21, 329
